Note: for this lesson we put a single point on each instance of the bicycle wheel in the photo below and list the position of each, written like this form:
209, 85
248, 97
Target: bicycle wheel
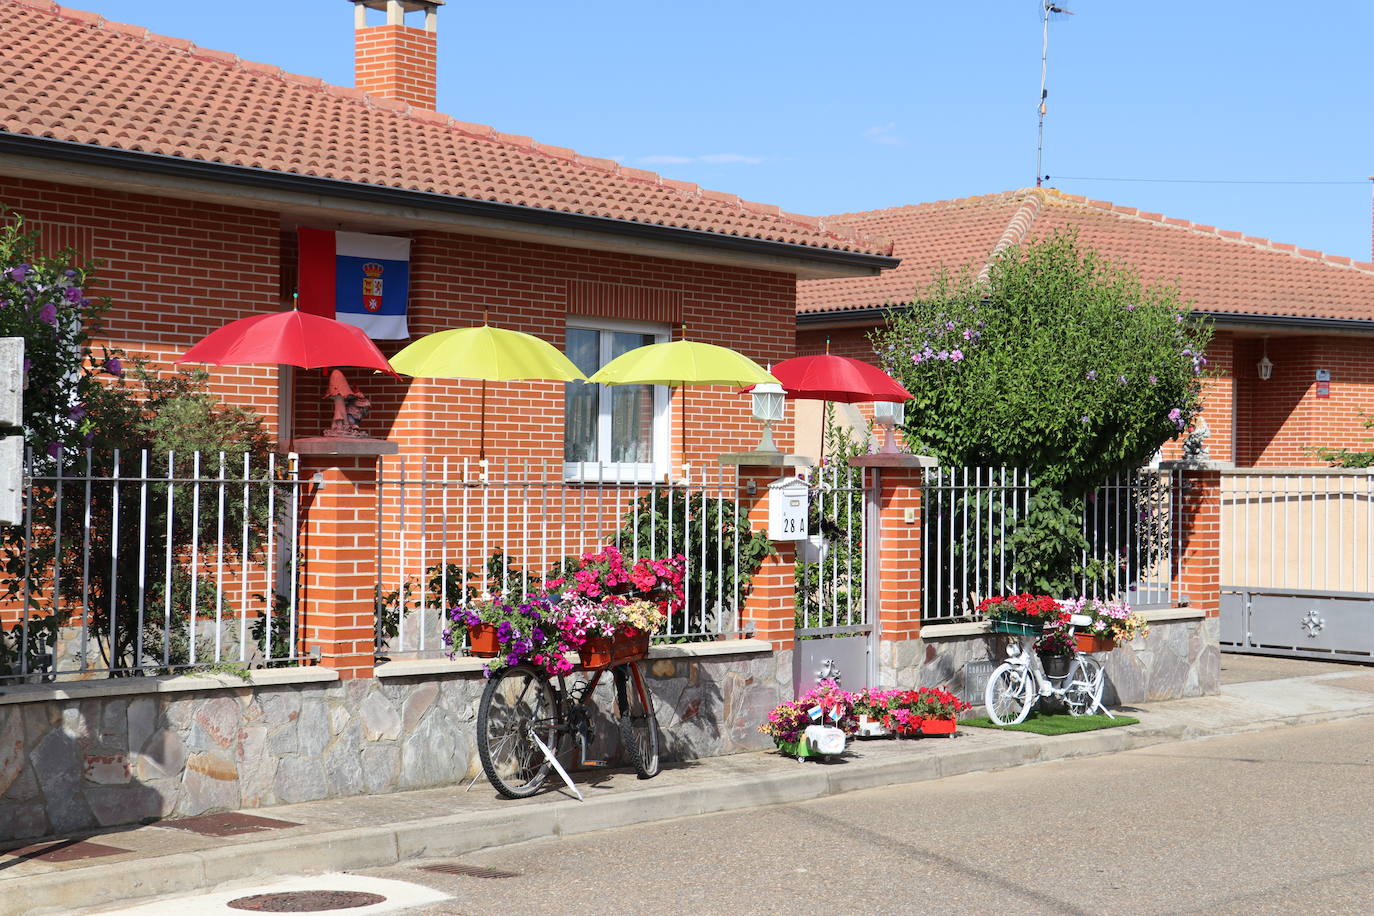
1085, 686
517, 704
638, 725
1009, 696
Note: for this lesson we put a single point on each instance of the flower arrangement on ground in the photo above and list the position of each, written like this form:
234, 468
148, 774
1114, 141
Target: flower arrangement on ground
871, 708
824, 704
912, 712
1035, 610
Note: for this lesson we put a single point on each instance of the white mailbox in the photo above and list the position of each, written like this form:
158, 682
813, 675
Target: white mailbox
788, 509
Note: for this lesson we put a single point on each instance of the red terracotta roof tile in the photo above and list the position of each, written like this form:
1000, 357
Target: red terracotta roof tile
1220, 271
70, 75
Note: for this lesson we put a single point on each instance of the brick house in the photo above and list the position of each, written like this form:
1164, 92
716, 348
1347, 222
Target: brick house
1307, 311
187, 170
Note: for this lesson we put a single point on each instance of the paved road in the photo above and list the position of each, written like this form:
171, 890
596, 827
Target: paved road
1278, 821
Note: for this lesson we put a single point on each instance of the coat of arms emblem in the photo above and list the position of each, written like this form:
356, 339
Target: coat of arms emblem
372, 286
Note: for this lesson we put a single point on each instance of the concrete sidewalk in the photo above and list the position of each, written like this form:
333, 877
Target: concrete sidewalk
370, 831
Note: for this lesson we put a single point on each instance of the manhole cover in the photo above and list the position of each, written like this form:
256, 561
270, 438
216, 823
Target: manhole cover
306, 901
471, 871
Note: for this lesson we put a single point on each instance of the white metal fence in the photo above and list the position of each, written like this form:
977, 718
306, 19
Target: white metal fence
450, 530
970, 518
133, 562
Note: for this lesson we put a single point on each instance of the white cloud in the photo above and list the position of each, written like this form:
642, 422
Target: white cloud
884, 135
710, 158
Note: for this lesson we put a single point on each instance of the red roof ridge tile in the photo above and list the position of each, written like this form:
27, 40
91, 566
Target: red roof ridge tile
1230, 235
831, 227
927, 205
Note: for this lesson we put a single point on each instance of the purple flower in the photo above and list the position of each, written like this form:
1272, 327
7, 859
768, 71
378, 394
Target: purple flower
943, 354
1177, 416
957, 355
54, 450
537, 635
114, 366
1092, 375
968, 333
916, 359
90, 437
1121, 379
1130, 308
1083, 419
927, 353
512, 659
77, 412
4, 303
28, 364
1153, 379
1178, 319
949, 325
69, 274
48, 313
18, 274
73, 294
504, 631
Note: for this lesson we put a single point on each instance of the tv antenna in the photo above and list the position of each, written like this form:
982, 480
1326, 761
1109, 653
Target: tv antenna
1048, 9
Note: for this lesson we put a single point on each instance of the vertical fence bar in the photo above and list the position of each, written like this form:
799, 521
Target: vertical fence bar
167, 570
195, 554
86, 569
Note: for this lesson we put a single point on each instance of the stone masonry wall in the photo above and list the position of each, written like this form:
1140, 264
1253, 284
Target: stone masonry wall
1180, 658
80, 764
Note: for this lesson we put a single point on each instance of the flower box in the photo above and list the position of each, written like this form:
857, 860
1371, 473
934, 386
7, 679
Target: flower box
605, 651
938, 727
482, 641
870, 727
1087, 642
1016, 627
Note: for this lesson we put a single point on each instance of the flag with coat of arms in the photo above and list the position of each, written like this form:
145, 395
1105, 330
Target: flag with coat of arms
360, 279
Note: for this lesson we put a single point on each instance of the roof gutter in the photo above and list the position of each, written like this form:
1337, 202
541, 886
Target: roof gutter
871, 315
245, 176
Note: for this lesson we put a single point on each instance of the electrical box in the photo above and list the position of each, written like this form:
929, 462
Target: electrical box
789, 503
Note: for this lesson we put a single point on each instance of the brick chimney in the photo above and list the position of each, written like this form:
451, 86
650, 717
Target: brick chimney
396, 61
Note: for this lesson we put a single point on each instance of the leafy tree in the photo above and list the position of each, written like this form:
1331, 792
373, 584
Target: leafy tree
1061, 362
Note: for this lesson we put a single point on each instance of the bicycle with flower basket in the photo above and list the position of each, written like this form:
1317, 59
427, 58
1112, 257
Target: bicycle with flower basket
1021, 681
539, 704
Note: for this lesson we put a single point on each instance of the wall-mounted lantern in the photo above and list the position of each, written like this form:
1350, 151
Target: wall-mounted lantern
1265, 365
770, 403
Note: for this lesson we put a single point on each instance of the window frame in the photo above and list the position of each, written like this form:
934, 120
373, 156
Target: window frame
621, 471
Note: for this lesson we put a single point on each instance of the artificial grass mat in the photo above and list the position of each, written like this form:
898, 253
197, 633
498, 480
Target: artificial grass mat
1056, 724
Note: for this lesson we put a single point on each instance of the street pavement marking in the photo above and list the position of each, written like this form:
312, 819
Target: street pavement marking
399, 896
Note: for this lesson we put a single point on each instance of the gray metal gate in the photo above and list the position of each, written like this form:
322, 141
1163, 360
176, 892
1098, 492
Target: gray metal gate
836, 639
1297, 562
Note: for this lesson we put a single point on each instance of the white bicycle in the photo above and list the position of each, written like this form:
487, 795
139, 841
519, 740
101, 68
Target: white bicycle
1018, 683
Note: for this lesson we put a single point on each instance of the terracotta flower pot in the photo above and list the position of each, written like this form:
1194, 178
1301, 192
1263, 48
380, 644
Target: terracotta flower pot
482, 641
1087, 642
605, 651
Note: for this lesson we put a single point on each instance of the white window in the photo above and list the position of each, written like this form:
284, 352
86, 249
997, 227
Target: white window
613, 432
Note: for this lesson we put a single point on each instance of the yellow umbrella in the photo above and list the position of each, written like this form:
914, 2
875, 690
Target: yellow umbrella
680, 363
488, 354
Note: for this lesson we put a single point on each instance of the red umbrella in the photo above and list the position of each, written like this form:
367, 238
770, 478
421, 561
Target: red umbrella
837, 378
825, 377
292, 338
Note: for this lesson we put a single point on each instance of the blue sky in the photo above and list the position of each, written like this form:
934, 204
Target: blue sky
825, 108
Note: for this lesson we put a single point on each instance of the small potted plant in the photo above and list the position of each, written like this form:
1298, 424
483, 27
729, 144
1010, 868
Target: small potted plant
507, 632
938, 709
1109, 623
1020, 615
1056, 648
870, 709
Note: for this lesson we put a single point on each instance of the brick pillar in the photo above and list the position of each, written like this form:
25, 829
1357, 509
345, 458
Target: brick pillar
896, 579
339, 553
1197, 559
771, 606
